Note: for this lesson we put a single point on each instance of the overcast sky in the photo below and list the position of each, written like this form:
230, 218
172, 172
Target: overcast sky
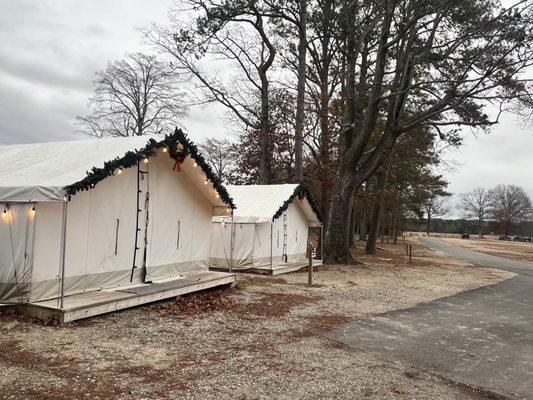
50, 50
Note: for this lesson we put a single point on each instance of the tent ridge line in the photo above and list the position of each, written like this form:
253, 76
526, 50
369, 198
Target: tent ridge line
131, 158
300, 190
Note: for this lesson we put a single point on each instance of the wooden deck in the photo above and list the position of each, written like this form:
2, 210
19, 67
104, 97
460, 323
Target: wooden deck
279, 269
85, 305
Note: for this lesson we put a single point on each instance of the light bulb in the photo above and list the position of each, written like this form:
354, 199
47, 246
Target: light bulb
32, 211
119, 171
207, 180
195, 164
145, 160
165, 149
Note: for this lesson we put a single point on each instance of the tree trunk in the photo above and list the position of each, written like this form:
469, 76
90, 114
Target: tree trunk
325, 135
336, 241
353, 223
264, 162
395, 225
375, 219
300, 97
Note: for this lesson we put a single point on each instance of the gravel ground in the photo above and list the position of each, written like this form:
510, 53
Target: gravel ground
260, 340
522, 251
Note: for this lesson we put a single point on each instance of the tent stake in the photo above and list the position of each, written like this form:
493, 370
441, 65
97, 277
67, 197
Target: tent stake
63, 253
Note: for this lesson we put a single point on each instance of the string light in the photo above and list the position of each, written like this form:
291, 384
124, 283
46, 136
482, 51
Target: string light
206, 181
145, 160
32, 211
165, 149
4, 213
195, 164
228, 210
119, 171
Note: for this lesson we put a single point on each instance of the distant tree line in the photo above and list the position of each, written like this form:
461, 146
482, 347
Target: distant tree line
459, 226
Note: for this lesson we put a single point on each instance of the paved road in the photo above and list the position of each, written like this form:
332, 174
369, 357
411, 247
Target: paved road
482, 337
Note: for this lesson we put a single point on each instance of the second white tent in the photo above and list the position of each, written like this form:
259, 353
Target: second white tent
268, 229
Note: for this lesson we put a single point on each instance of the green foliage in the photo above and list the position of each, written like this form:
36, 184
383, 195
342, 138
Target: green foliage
300, 192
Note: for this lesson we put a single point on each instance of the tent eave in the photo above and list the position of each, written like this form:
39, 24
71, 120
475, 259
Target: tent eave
31, 194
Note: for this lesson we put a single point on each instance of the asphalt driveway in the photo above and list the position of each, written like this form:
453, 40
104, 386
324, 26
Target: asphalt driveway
482, 338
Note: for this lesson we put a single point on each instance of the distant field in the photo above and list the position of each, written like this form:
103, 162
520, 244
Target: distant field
491, 245
448, 235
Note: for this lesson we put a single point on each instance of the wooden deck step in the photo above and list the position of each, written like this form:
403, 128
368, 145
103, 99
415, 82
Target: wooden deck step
89, 304
279, 269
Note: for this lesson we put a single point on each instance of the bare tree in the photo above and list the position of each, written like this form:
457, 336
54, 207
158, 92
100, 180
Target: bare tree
295, 13
475, 204
236, 33
134, 96
509, 205
435, 206
220, 155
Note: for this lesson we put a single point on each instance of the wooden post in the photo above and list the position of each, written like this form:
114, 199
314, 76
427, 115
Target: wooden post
410, 252
310, 270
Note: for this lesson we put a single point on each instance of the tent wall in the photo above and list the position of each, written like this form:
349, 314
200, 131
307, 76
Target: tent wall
261, 244
17, 229
179, 230
277, 241
298, 229
243, 247
255, 243
100, 239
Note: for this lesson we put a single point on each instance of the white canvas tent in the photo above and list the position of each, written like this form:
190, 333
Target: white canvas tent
93, 214
269, 228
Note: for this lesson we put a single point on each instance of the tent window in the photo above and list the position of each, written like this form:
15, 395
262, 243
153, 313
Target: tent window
116, 235
178, 238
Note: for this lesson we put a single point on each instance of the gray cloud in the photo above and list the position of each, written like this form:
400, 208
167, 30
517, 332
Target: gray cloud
49, 52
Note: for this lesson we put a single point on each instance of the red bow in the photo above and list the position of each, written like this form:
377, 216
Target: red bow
177, 164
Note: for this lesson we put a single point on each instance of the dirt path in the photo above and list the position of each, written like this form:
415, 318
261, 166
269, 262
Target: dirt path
260, 340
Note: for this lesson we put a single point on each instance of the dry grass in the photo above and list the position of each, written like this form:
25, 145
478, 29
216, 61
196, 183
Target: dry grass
260, 340
522, 251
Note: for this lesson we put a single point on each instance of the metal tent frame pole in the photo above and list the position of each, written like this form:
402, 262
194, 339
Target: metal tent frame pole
63, 253
271, 244
231, 242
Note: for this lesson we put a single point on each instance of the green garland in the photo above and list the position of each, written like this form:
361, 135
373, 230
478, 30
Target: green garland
300, 191
131, 158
